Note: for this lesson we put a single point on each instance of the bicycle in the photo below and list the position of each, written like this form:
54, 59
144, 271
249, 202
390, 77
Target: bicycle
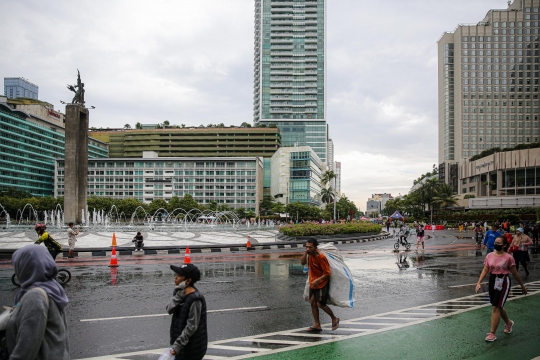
478, 238
63, 277
402, 240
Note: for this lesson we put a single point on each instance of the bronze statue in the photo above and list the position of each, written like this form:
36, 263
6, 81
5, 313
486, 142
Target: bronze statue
78, 90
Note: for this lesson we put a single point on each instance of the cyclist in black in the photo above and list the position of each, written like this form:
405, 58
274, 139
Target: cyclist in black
52, 245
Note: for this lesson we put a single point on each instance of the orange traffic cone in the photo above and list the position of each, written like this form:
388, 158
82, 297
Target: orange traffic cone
114, 260
113, 240
248, 245
187, 256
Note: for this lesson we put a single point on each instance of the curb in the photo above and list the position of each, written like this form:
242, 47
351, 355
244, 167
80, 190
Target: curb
202, 249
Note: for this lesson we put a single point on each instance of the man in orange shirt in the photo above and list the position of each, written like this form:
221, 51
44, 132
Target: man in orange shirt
319, 278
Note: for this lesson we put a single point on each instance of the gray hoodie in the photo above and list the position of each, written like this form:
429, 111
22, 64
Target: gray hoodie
37, 330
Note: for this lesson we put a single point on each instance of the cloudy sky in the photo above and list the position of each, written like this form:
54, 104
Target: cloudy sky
191, 62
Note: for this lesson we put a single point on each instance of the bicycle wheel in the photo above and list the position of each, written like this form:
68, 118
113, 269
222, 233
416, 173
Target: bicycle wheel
15, 280
63, 276
408, 246
396, 246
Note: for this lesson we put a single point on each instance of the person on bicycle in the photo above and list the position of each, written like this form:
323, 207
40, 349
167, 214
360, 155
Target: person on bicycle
52, 245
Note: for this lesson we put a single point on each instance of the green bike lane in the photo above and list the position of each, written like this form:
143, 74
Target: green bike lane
459, 336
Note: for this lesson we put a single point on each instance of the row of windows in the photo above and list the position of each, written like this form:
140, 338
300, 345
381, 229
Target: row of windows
499, 89
497, 124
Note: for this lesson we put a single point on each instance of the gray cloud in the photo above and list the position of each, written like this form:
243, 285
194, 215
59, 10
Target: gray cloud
191, 62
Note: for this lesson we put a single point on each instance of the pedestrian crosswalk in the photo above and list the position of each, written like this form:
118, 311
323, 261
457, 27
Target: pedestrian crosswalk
252, 346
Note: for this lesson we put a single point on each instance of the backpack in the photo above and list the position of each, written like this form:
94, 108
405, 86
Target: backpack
4, 320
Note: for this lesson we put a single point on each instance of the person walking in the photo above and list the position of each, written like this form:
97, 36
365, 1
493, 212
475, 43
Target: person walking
37, 328
189, 335
499, 264
319, 284
72, 239
489, 238
420, 236
521, 254
52, 245
536, 233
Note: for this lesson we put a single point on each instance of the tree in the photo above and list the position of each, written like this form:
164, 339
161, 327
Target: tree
272, 125
279, 208
220, 125
127, 126
445, 196
16, 193
155, 205
183, 125
327, 177
245, 125
327, 195
266, 204
138, 126
166, 123
188, 203
241, 212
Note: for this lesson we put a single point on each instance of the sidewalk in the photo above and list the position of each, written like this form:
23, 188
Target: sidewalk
459, 336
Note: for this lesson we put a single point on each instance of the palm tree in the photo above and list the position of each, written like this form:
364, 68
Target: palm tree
327, 177
445, 196
327, 195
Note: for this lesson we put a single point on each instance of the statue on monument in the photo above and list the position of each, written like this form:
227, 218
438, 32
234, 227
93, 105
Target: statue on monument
78, 89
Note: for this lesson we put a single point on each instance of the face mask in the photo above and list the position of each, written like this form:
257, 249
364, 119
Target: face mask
182, 285
498, 247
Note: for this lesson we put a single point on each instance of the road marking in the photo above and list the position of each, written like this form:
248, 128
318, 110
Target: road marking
293, 336
458, 286
157, 315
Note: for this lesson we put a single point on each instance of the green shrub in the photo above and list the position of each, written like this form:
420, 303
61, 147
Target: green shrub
469, 196
329, 229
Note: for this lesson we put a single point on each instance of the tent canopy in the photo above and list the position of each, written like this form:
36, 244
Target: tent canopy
396, 215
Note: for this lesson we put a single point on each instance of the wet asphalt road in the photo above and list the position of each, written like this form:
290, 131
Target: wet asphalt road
386, 281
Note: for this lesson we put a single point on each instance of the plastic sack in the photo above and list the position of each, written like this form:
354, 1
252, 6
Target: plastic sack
167, 355
342, 290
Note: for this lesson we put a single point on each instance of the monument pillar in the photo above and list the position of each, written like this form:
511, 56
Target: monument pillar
76, 162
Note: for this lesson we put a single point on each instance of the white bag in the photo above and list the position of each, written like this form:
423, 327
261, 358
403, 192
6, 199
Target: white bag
342, 290
167, 355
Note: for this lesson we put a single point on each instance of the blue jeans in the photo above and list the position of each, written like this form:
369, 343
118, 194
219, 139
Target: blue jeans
489, 250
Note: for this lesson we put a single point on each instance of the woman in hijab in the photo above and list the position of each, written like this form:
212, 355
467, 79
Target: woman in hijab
521, 255
37, 328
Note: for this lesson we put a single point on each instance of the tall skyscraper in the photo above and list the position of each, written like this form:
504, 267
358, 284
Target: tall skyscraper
329, 151
337, 171
290, 71
488, 85
20, 88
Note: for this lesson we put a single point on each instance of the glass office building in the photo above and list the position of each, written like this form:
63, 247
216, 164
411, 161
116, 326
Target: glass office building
290, 71
234, 181
489, 85
28, 149
20, 88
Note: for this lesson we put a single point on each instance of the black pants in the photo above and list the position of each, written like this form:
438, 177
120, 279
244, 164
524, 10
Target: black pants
54, 253
139, 244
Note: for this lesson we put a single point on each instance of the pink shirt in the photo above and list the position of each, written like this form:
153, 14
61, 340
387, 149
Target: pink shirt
499, 264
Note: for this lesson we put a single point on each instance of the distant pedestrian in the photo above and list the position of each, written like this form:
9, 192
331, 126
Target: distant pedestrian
489, 238
37, 328
52, 245
499, 264
189, 335
138, 240
420, 236
72, 239
521, 255
319, 278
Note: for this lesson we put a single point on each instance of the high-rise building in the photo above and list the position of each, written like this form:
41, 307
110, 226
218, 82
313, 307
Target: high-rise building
29, 146
488, 85
329, 151
233, 181
337, 171
20, 87
290, 71
296, 175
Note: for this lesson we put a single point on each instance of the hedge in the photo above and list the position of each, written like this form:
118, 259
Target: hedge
329, 229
